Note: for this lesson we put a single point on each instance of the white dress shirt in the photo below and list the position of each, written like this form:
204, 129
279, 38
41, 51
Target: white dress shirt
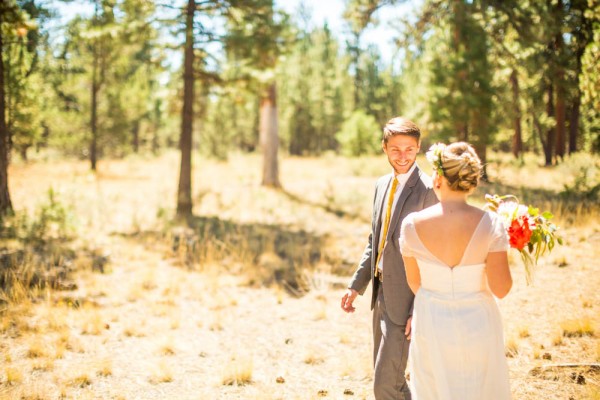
402, 179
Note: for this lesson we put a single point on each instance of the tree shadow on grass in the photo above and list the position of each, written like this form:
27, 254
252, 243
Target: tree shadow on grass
569, 204
571, 199
339, 212
266, 254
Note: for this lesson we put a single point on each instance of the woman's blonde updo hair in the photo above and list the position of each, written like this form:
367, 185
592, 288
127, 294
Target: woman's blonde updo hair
461, 166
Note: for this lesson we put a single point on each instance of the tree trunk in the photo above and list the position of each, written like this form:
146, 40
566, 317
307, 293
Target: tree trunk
517, 143
135, 132
5, 203
560, 113
551, 134
269, 137
357, 74
184, 191
560, 86
461, 121
156, 126
574, 122
575, 108
23, 152
94, 99
94, 114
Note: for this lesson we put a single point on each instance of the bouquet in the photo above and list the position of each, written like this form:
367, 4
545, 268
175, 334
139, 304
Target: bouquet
529, 231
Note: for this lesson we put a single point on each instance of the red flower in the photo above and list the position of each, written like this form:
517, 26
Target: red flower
519, 232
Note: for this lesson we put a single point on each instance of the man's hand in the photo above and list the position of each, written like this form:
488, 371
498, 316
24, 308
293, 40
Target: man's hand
348, 299
407, 331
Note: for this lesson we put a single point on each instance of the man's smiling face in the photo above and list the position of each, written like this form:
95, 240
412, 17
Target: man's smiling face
401, 151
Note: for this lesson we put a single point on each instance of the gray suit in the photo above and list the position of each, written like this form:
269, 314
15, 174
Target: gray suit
390, 315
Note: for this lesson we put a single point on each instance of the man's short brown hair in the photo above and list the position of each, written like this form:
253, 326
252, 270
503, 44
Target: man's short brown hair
401, 126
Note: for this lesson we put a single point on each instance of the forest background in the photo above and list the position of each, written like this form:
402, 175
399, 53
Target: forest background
508, 76
156, 155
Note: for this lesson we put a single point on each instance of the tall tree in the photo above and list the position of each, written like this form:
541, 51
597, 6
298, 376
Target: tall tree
13, 26
255, 34
517, 143
460, 83
9, 10
184, 190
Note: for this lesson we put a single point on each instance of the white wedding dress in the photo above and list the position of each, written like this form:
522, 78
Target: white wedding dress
457, 345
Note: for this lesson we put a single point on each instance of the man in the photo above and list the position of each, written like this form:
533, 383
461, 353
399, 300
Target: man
398, 194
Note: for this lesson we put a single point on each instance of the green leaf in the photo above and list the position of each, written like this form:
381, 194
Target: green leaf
533, 211
548, 215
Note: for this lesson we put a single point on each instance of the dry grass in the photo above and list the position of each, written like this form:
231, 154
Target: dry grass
13, 375
43, 365
167, 348
105, 368
238, 372
93, 322
511, 347
577, 327
37, 348
524, 332
163, 373
134, 330
262, 280
80, 380
313, 357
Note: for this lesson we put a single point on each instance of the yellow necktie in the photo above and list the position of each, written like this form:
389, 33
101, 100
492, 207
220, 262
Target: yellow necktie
386, 224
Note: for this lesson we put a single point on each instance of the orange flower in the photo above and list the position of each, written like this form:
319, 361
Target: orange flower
519, 232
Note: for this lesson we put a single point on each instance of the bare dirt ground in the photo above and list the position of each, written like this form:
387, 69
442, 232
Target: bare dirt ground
150, 327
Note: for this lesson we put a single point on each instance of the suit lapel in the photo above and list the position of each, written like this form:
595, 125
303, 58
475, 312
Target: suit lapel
381, 193
406, 191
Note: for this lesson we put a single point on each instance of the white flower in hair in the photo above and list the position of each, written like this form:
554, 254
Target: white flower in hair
434, 156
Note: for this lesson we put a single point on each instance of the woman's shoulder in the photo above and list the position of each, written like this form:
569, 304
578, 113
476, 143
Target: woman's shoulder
496, 221
426, 213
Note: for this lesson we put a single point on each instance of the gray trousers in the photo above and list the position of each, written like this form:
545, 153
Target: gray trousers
390, 353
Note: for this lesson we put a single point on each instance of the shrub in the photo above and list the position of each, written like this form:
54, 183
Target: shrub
360, 134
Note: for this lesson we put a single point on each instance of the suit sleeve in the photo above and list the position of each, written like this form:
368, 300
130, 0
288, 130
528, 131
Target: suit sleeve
430, 198
362, 276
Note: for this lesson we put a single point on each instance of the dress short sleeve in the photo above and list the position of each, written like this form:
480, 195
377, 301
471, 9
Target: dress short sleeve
499, 240
405, 231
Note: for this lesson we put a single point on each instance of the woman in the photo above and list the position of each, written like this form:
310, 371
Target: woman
456, 262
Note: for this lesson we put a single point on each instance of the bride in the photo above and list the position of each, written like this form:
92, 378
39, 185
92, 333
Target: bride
455, 257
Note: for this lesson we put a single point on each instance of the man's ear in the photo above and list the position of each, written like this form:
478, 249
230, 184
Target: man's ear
383, 145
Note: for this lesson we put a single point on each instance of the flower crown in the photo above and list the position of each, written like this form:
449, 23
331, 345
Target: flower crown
434, 156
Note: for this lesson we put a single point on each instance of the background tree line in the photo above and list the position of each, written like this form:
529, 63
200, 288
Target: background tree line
510, 75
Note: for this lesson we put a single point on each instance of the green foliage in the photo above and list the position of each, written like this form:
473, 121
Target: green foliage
120, 40
584, 186
313, 93
460, 100
453, 79
52, 220
590, 80
23, 41
360, 134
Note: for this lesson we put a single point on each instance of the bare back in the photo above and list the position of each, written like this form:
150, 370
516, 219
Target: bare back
447, 233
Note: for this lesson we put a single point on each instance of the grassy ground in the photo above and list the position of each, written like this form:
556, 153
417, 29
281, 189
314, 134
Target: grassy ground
244, 304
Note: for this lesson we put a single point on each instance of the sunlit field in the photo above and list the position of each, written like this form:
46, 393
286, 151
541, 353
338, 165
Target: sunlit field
110, 299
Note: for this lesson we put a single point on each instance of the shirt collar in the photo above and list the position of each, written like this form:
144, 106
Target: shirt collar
402, 178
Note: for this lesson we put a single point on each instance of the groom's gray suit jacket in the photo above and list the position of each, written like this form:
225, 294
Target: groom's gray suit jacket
416, 195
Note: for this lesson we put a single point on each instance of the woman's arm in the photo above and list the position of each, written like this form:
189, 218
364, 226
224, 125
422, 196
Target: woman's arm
498, 273
413, 276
